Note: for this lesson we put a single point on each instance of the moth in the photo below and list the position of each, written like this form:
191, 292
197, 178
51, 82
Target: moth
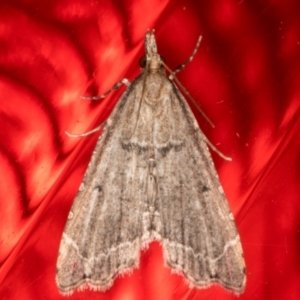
151, 177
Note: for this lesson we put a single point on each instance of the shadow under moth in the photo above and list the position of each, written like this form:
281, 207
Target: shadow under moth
151, 177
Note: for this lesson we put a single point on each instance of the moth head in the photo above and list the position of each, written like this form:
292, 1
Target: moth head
150, 43
152, 58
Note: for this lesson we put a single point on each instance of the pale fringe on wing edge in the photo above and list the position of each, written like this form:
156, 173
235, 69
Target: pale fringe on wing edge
144, 245
189, 281
85, 285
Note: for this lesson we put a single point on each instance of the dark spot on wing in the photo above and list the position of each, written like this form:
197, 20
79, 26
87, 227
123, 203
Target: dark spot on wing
99, 188
205, 189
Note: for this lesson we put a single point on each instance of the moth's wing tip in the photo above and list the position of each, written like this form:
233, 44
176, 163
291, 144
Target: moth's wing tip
63, 291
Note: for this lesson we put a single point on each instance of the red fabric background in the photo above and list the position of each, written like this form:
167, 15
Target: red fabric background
246, 77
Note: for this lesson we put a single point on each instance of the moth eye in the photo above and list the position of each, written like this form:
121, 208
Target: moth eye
142, 62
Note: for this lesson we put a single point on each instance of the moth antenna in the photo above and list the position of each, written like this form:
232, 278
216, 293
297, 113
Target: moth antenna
189, 96
85, 133
200, 110
142, 96
115, 87
216, 150
182, 66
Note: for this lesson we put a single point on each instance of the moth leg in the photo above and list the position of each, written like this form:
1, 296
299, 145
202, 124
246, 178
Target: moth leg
115, 87
85, 133
174, 78
182, 66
